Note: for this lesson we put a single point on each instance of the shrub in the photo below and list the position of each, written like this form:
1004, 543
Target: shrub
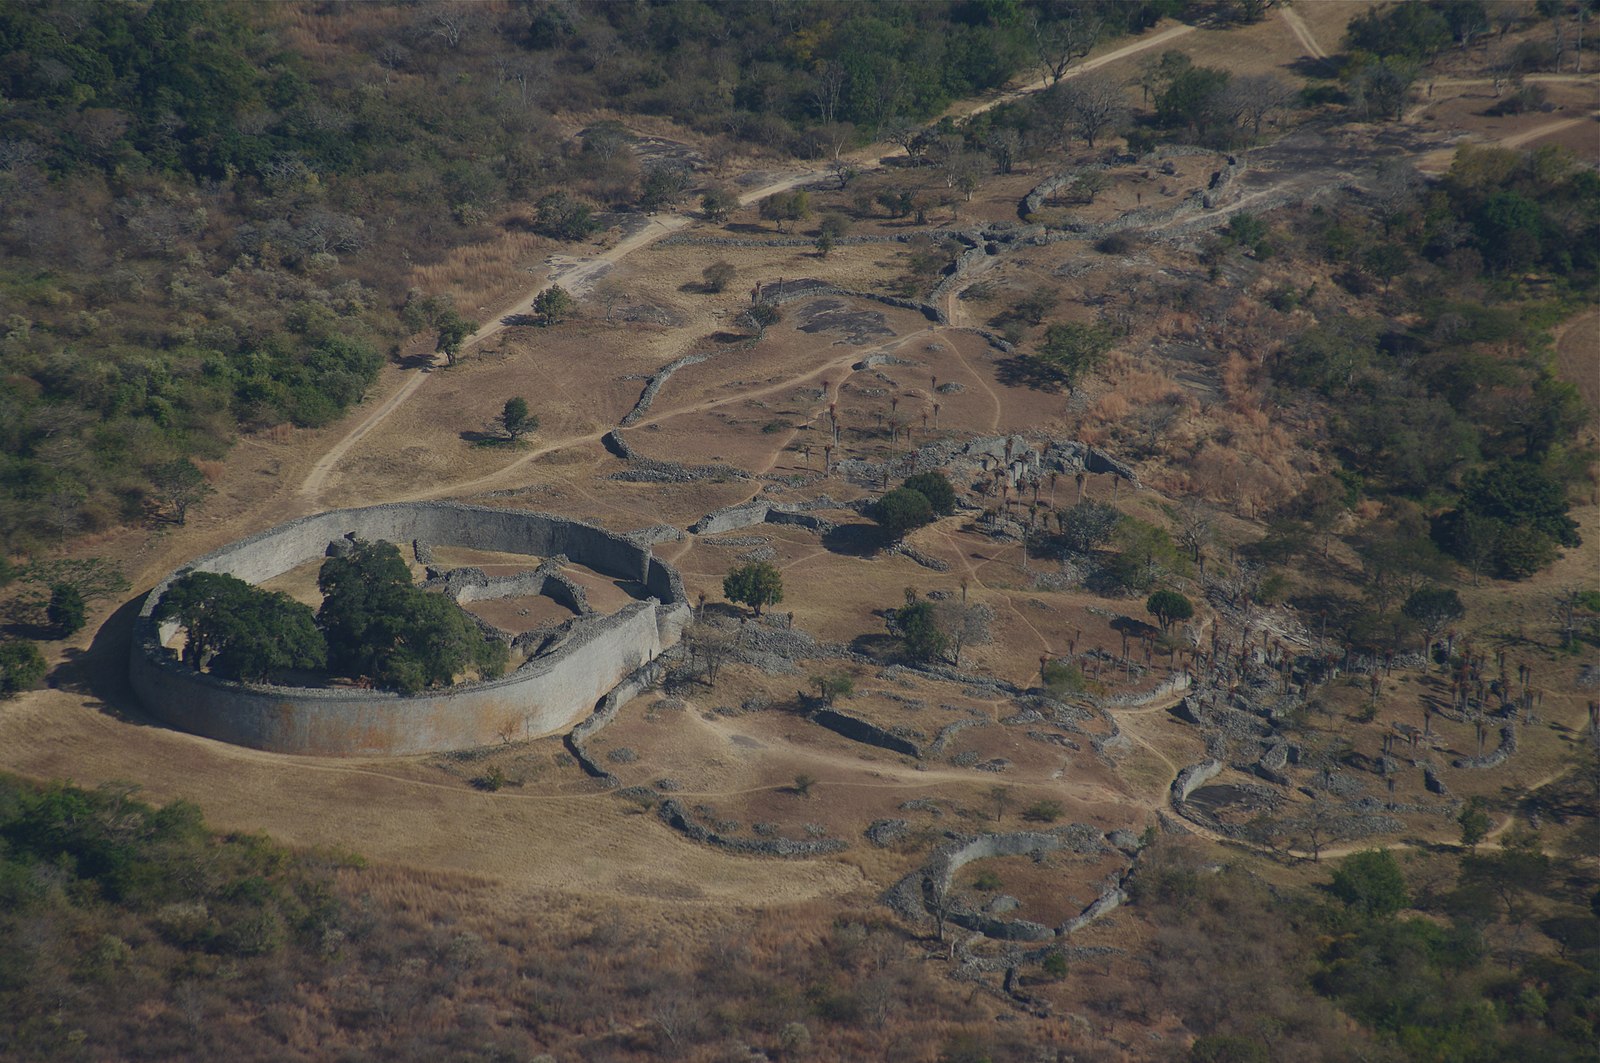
66, 611
1044, 812
717, 276
21, 667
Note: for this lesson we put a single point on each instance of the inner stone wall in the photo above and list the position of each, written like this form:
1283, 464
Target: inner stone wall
546, 694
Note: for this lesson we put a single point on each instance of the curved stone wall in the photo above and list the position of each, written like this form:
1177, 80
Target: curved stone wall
548, 693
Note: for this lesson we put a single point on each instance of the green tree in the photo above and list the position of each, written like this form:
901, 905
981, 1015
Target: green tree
757, 585
553, 305
1434, 609
179, 485
66, 610
1474, 822
1193, 99
1385, 262
786, 207
379, 625
936, 488
920, 633
901, 511
718, 203
453, 332
1169, 607
22, 666
1088, 526
515, 420
564, 217
1072, 350
1371, 882
239, 631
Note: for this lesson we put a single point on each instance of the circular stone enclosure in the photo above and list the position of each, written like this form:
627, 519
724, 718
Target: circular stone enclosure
548, 693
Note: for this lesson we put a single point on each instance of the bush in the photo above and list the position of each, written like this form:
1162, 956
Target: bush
717, 276
66, 611
1063, 677
21, 667
1044, 812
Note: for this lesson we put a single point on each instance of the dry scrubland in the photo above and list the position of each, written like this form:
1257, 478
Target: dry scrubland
492, 879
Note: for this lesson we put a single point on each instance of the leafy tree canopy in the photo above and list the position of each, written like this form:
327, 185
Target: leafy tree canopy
402, 637
239, 631
758, 584
901, 511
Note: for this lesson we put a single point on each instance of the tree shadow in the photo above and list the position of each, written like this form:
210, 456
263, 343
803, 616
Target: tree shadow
1021, 371
423, 361
1307, 66
747, 227
522, 321
880, 646
100, 672
853, 540
1135, 629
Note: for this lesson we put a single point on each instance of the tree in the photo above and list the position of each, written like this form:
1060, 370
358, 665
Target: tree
1057, 43
564, 217
901, 511
833, 686
757, 584
66, 611
179, 485
379, 625
238, 631
1071, 350
1193, 97
515, 420
1382, 87
1434, 609
1250, 98
919, 631
824, 245
22, 666
962, 624
1092, 104
1088, 525
936, 488
453, 332
1169, 607
1385, 262
1474, 822
1371, 882
664, 183
718, 203
717, 276
784, 207
803, 784
553, 304
761, 317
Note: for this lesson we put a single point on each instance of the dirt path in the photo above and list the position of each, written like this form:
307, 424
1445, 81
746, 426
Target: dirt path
1302, 32
1516, 140
578, 275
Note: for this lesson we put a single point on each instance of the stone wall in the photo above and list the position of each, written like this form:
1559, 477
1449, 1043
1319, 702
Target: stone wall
545, 695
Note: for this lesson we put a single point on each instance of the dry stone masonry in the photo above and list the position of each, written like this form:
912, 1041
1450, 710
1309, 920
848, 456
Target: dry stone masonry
579, 667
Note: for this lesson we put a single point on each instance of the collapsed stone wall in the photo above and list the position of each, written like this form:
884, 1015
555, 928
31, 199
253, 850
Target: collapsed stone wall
548, 693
